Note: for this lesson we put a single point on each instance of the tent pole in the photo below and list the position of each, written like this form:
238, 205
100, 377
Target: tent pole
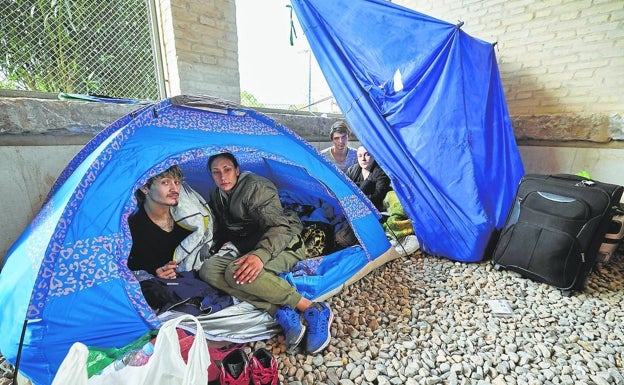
385, 216
19, 351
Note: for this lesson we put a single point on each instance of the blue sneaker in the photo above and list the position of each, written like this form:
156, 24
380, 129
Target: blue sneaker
319, 318
290, 321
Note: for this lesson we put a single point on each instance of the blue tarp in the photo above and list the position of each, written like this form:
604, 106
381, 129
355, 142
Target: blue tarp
67, 274
426, 100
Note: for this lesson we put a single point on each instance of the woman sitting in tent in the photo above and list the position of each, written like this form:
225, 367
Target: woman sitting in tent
373, 182
256, 241
369, 177
171, 235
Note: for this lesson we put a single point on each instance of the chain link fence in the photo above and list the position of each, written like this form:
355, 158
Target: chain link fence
325, 105
78, 46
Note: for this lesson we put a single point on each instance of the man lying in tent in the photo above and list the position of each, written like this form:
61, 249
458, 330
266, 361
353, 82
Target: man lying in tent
255, 241
171, 235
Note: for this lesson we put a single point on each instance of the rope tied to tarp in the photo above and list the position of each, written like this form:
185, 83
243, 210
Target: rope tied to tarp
293, 32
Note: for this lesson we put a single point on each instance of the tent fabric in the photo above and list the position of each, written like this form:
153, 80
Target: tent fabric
67, 274
426, 100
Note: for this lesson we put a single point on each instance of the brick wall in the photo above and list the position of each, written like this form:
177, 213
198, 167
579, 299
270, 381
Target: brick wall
554, 56
200, 47
561, 61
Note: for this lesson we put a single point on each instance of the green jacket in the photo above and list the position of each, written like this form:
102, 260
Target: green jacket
251, 216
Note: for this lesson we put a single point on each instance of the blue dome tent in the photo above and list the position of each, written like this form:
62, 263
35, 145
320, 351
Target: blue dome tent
66, 278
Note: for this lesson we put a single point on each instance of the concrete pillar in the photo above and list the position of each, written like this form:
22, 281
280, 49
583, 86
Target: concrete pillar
199, 46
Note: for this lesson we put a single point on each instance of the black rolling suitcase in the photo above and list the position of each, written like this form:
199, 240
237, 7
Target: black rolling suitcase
555, 228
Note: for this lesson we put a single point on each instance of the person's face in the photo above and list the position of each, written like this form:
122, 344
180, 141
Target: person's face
163, 191
365, 160
340, 140
224, 174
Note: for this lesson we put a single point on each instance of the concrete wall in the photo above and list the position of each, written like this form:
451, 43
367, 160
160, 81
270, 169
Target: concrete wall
603, 164
29, 172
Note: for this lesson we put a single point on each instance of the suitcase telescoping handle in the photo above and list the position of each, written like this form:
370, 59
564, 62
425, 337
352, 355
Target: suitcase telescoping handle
586, 182
582, 181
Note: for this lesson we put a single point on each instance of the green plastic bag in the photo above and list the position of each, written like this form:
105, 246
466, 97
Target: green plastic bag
99, 358
398, 225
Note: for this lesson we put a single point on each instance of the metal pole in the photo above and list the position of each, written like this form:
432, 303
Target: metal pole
309, 79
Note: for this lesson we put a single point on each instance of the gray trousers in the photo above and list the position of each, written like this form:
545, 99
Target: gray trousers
268, 291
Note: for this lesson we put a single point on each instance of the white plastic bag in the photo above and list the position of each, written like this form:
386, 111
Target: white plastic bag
166, 366
73, 369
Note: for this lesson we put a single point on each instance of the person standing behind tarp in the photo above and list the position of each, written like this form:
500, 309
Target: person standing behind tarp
340, 153
369, 177
255, 241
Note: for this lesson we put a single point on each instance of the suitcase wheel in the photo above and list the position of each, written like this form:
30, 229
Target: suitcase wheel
498, 267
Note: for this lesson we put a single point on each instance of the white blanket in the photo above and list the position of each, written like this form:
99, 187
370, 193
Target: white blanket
194, 214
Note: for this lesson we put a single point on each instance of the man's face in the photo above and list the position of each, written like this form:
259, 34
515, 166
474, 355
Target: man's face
224, 174
365, 160
163, 191
340, 140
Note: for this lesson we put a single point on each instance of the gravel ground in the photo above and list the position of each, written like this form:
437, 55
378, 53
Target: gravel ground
426, 320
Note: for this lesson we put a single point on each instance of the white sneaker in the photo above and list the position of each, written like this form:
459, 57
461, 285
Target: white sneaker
406, 245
